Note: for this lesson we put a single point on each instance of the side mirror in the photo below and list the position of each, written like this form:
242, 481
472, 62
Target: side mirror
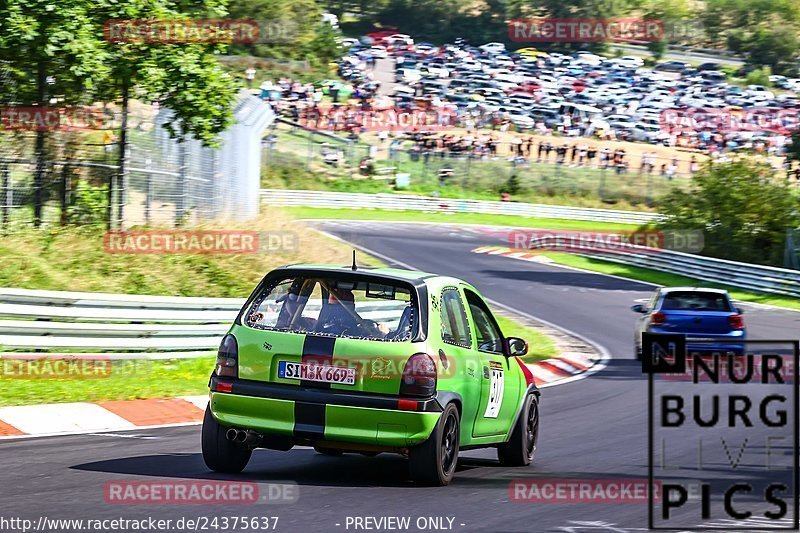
638, 308
516, 346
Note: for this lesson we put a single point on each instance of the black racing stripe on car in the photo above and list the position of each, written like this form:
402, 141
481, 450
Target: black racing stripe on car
309, 420
293, 393
318, 350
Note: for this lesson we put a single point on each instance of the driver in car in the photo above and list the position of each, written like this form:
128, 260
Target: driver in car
339, 317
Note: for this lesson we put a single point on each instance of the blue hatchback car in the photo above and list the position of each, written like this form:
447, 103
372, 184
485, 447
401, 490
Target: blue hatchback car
705, 316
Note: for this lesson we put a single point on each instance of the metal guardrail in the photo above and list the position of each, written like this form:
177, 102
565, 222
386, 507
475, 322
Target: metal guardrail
133, 301
405, 202
126, 323
747, 276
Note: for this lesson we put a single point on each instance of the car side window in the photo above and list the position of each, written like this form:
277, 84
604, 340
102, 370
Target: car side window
455, 327
488, 335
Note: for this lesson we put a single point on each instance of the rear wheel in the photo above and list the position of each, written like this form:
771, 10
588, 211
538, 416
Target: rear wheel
521, 447
220, 454
434, 461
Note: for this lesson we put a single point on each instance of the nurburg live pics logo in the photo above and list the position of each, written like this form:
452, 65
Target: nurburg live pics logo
722, 446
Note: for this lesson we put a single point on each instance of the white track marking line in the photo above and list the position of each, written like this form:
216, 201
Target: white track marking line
123, 436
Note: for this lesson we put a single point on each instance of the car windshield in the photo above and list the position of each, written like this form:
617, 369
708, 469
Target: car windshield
695, 301
335, 307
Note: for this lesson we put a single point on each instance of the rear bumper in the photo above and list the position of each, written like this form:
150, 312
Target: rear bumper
715, 347
707, 343
305, 414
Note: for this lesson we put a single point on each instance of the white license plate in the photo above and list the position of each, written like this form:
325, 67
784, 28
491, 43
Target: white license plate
315, 372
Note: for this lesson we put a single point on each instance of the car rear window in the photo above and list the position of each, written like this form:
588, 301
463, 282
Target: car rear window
695, 301
336, 307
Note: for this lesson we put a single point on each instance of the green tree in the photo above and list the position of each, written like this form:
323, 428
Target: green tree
742, 210
759, 76
775, 47
58, 50
294, 30
50, 50
657, 49
766, 31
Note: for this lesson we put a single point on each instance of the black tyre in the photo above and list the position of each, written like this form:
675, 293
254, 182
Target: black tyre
433, 462
327, 451
220, 454
521, 447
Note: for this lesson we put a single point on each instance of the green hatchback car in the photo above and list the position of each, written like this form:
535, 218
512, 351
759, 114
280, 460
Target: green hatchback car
369, 361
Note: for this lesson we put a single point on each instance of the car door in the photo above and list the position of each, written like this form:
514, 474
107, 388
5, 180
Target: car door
456, 350
500, 390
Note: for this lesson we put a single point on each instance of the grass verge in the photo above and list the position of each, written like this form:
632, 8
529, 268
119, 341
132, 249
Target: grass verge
126, 380
454, 218
75, 259
540, 346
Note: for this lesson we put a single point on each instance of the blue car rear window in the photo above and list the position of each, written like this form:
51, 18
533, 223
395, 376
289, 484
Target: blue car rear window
695, 301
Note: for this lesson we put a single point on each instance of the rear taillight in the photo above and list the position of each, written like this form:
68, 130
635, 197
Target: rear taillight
228, 358
419, 376
736, 322
526, 372
658, 318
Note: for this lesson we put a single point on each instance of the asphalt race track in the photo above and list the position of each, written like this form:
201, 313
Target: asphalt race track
592, 428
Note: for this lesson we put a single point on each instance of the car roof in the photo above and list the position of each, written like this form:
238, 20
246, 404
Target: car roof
396, 274
692, 289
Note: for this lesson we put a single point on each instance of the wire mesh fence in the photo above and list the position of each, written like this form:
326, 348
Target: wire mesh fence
64, 176
468, 173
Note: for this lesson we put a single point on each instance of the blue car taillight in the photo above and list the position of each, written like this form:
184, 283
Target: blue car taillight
736, 322
228, 358
658, 318
419, 376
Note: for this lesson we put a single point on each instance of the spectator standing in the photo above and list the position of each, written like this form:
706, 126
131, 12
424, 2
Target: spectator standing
590, 155
250, 76
671, 171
